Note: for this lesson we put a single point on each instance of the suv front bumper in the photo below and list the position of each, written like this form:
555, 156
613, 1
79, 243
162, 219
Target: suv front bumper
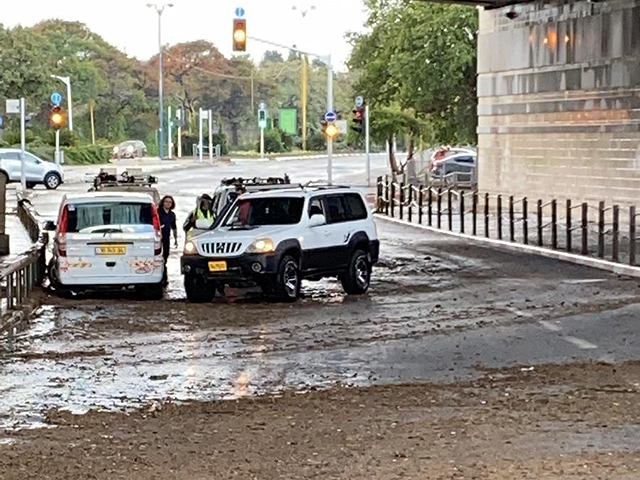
250, 267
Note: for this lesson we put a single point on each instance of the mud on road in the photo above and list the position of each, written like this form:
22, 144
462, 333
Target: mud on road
438, 311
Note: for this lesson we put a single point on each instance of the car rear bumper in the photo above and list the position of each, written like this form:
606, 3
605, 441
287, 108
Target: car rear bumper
76, 272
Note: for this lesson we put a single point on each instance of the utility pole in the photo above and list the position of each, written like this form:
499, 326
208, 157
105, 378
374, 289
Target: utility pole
200, 146
210, 136
329, 109
303, 100
159, 9
179, 117
169, 139
57, 155
23, 146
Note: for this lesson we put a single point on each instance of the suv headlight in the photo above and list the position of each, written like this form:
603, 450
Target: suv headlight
262, 245
190, 248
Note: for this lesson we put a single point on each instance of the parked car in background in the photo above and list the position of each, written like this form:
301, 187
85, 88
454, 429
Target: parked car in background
107, 240
454, 167
130, 149
37, 171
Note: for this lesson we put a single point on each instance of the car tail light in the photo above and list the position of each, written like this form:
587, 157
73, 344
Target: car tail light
62, 232
156, 227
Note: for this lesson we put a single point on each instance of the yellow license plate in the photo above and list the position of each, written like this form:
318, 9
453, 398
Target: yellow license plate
111, 250
217, 266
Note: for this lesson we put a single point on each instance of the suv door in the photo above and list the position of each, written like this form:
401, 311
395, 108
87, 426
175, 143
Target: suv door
11, 164
34, 168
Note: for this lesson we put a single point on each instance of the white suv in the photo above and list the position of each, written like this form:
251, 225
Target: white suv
277, 238
36, 171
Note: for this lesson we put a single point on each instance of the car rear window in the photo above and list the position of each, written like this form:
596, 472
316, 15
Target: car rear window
85, 218
356, 210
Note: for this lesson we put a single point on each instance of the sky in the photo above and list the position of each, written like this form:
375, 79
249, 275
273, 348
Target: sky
133, 27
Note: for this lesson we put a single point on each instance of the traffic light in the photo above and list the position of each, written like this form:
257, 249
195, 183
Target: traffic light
358, 119
239, 35
56, 117
329, 129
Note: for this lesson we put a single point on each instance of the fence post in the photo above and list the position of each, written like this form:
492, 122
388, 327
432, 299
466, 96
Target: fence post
512, 220
420, 200
439, 212
601, 229
539, 216
554, 224
616, 233
474, 212
569, 227
430, 206
486, 215
632, 235
525, 221
387, 195
499, 208
410, 202
585, 229
401, 200
461, 211
450, 207
392, 199
10, 291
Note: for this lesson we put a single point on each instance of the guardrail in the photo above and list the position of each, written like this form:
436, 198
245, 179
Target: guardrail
609, 234
19, 279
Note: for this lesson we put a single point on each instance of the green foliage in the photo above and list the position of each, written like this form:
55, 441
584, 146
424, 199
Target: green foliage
87, 155
420, 57
272, 141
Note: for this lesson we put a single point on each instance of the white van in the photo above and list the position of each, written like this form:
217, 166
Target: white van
107, 240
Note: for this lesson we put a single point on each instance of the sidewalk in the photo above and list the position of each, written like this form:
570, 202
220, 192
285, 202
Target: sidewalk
19, 240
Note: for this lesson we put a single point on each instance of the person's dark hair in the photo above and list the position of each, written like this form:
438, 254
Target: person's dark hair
173, 202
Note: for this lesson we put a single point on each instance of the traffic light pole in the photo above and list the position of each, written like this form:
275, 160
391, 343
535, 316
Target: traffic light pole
57, 155
23, 147
367, 143
261, 142
169, 142
179, 117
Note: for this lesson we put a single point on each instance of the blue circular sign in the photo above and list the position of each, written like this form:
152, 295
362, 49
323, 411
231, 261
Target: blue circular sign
56, 98
330, 116
239, 12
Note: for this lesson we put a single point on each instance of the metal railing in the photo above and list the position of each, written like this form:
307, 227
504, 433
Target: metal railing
608, 234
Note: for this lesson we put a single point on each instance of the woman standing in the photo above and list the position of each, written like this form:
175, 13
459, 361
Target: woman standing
167, 225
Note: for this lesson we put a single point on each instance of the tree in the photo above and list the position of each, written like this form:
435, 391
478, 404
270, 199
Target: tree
271, 56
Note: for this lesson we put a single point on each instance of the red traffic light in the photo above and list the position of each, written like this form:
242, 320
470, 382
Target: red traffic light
239, 35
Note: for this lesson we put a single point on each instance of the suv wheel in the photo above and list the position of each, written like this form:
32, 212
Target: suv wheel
198, 291
287, 287
358, 276
52, 181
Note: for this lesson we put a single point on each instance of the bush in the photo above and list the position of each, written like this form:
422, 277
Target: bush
272, 141
87, 155
316, 142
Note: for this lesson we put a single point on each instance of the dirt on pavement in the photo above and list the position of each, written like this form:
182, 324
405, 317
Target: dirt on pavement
546, 422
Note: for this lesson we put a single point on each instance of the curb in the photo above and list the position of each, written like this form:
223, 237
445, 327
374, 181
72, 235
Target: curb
303, 157
600, 264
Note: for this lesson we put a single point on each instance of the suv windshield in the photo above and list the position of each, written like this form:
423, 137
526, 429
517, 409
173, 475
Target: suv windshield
265, 211
84, 218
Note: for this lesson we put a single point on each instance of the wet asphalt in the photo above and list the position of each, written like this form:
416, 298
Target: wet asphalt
438, 310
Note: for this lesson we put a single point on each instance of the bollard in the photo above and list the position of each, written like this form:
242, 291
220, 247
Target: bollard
401, 200
616, 234
554, 224
499, 208
540, 226
512, 220
585, 229
392, 199
450, 207
420, 195
386, 194
430, 206
525, 221
601, 230
569, 228
474, 212
486, 215
632, 236
410, 203
439, 212
461, 211
379, 194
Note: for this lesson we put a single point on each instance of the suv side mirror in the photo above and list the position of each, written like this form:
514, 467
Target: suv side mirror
203, 224
317, 220
49, 226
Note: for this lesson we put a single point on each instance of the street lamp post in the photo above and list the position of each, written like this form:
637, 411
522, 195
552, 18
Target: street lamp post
160, 9
67, 82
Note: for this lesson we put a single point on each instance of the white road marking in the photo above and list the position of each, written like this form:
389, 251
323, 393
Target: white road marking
585, 280
552, 327
520, 313
579, 342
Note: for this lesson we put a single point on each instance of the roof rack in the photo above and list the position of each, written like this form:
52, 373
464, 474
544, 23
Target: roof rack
108, 177
256, 181
321, 185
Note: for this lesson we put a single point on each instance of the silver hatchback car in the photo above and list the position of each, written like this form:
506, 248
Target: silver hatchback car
37, 171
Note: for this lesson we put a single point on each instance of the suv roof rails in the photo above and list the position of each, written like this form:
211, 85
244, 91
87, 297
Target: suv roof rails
256, 181
319, 185
108, 177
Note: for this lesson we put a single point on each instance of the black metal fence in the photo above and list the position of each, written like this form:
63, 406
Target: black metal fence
607, 232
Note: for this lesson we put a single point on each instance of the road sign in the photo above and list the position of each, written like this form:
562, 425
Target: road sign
204, 115
239, 12
13, 106
56, 98
359, 101
330, 117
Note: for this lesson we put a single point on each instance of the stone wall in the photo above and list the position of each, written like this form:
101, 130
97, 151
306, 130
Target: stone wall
559, 100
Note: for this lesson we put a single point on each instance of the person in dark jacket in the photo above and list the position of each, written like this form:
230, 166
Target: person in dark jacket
167, 225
